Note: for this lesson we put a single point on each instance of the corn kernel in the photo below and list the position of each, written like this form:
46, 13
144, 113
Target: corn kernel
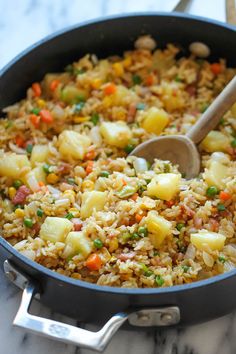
75, 212
52, 178
19, 213
70, 194
79, 119
113, 245
127, 62
87, 185
12, 192
96, 83
118, 68
41, 103
107, 101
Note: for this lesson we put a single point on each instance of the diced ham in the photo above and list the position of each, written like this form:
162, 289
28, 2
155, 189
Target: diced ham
77, 223
64, 168
126, 256
214, 224
197, 222
131, 113
191, 89
21, 195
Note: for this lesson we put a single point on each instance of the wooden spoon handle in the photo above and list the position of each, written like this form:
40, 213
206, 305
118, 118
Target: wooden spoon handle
214, 113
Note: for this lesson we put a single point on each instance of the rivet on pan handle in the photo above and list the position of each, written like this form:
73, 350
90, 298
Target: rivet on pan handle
147, 317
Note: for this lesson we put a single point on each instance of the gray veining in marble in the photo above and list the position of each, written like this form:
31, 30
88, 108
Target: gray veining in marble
23, 22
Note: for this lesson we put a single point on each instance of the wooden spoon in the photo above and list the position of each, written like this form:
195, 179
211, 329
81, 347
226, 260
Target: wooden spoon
181, 149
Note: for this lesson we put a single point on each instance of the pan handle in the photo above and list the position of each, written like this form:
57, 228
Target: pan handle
64, 332
145, 317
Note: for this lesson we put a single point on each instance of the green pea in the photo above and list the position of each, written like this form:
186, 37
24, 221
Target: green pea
28, 222
135, 236
136, 80
178, 79
221, 207
46, 168
95, 118
142, 231
98, 243
104, 174
179, 226
35, 111
69, 216
159, 280
211, 191
222, 259
29, 148
40, 212
185, 268
17, 183
129, 148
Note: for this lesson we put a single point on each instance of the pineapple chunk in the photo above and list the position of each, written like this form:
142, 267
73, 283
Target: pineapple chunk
158, 228
172, 96
39, 154
73, 145
215, 141
164, 186
116, 133
71, 94
55, 229
155, 120
215, 173
11, 164
79, 243
92, 200
204, 239
33, 178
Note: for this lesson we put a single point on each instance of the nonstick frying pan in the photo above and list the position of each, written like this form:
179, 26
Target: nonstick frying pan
177, 305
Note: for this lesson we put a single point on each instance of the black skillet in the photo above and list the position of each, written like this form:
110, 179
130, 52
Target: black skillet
177, 305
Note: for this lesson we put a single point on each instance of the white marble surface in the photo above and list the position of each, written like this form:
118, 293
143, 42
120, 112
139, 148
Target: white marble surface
23, 22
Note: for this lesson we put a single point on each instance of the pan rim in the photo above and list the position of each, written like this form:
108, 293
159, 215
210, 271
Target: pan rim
83, 284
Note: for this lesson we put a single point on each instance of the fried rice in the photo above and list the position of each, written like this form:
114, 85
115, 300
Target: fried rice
75, 202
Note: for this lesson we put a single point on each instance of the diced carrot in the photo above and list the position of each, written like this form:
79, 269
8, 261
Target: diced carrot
54, 84
134, 197
36, 89
93, 262
109, 89
41, 184
149, 80
46, 116
224, 196
90, 155
170, 203
216, 68
89, 167
20, 141
124, 182
35, 120
138, 217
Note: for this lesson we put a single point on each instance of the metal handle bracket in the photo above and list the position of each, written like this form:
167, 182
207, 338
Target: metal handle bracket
147, 317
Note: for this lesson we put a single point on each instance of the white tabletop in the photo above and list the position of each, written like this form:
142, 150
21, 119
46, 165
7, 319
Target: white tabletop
23, 22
